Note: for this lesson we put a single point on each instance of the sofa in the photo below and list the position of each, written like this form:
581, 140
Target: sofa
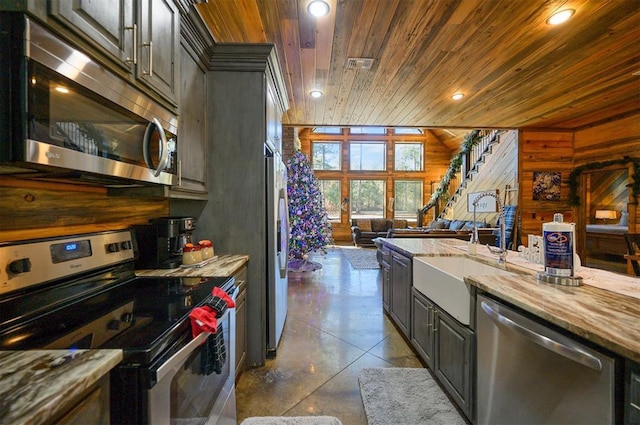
364, 231
442, 228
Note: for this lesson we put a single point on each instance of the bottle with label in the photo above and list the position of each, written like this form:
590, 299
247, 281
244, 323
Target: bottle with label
559, 246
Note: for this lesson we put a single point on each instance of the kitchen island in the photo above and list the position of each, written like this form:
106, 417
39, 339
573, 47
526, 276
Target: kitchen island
604, 310
435, 291
43, 386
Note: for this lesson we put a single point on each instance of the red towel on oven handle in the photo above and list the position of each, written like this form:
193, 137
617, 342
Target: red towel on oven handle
218, 292
203, 319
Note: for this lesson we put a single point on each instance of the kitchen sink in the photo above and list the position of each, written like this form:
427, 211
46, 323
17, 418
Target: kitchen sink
442, 280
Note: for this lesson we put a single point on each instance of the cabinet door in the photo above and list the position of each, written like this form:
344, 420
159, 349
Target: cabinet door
108, 24
422, 319
159, 46
386, 285
632, 393
401, 291
192, 139
453, 359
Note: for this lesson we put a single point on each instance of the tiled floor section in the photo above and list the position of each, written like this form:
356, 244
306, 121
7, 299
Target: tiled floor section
335, 327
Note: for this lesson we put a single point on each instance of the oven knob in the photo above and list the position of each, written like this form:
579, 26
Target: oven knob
114, 325
113, 247
22, 265
126, 317
125, 245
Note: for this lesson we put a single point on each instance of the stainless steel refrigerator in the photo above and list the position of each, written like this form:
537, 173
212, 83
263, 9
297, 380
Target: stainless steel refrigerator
277, 248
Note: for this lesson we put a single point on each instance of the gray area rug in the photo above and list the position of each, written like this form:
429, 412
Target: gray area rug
292, 420
405, 396
361, 258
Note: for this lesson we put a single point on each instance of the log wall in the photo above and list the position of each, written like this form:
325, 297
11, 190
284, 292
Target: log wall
543, 151
436, 161
30, 209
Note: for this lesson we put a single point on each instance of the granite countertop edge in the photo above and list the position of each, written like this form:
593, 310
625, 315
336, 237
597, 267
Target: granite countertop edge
36, 385
223, 266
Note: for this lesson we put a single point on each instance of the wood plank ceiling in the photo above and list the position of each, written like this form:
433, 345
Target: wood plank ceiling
515, 70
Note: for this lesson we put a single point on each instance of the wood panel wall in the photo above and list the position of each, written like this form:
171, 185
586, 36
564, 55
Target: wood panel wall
499, 170
546, 151
31, 209
436, 161
611, 141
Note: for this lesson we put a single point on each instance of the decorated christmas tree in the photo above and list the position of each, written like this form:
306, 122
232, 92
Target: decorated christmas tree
308, 219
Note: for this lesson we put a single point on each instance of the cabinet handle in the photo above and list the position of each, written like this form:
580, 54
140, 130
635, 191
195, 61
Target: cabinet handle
434, 320
134, 28
180, 173
149, 73
429, 316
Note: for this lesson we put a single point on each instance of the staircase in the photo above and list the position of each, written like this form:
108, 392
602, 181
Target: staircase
472, 162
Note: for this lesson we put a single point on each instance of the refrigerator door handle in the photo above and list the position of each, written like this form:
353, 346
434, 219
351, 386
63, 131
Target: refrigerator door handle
283, 232
573, 353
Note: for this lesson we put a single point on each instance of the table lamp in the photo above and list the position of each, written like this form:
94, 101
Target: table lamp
606, 215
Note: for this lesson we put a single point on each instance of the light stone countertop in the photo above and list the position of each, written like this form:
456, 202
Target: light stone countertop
223, 266
36, 384
604, 310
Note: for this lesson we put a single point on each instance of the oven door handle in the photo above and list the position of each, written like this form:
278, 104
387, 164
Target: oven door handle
176, 361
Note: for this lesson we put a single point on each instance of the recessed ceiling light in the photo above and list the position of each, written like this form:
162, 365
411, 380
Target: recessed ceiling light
560, 17
457, 96
315, 93
318, 8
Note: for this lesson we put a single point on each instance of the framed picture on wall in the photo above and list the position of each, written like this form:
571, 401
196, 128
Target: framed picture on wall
546, 186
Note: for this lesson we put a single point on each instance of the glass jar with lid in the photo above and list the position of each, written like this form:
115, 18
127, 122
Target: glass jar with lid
191, 254
206, 247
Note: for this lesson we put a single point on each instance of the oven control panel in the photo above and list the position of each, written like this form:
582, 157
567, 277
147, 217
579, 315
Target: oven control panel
27, 263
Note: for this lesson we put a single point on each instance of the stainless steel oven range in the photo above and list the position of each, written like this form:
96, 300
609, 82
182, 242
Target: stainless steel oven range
80, 291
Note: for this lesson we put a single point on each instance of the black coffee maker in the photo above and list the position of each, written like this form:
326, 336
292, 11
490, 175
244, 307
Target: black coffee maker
161, 241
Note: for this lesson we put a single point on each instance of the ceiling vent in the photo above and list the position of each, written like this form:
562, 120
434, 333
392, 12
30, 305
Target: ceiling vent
359, 63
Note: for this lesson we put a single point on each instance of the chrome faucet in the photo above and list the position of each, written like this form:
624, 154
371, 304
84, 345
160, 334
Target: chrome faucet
502, 251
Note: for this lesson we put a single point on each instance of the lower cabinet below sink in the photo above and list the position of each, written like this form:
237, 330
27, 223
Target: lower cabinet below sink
447, 347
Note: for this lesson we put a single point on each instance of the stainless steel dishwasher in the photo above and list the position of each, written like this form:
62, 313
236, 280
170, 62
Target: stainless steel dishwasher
528, 373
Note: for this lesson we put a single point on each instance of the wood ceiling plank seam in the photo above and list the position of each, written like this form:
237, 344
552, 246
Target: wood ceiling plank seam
386, 55
215, 22
407, 75
271, 17
293, 59
357, 41
407, 22
254, 30
306, 27
324, 38
309, 82
383, 17
344, 16
538, 48
424, 86
234, 22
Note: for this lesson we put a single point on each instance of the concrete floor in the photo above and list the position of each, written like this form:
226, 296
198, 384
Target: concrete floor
335, 327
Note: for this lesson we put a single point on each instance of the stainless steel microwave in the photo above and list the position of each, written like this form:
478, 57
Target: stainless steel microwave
64, 114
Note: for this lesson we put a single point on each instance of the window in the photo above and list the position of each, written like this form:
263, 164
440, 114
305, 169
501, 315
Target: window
408, 198
408, 157
330, 190
402, 130
367, 156
367, 198
327, 130
368, 130
326, 155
